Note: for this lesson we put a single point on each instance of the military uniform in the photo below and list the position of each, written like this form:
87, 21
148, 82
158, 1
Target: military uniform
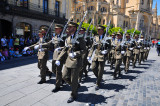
42, 58
118, 58
72, 64
98, 61
58, 44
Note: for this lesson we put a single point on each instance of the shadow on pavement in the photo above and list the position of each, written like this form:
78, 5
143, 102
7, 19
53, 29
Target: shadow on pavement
110, 86
135, 71
127, 77
92, 98
16, 62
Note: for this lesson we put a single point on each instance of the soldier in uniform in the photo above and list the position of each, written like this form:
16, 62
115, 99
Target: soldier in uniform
58, 46
98, 61
118, 56
42, 56
136, 51
112, 52
127, 55
83, 68
141, 44
73, 61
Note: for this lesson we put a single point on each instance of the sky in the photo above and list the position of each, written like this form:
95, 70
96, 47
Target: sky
158, 5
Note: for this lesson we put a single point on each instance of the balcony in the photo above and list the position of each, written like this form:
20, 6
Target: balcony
31, 11
146, 10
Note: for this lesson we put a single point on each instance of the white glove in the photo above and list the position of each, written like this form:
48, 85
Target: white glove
130, 48
71, 55
26, 48
122, 52
57, 63
139, 46
36, 47
88, 58
104, 52
58, 49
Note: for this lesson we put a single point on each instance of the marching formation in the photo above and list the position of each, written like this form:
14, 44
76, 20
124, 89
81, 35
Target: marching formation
77, 49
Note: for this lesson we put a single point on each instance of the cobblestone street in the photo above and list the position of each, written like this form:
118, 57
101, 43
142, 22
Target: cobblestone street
140, 87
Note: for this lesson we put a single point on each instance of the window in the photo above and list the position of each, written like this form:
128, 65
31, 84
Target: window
126, 23
127, 1
91, 8
45, 6
103, 9
142, 2
103, 21
57, 8
24, 3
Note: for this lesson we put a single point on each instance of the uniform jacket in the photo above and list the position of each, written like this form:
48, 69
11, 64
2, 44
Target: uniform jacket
79, 49
43, 49
97, 47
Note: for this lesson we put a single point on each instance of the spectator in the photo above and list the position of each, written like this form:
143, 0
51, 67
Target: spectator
28, 41
2, 58
17, 54
5, 54
11, 52
4, 42
10, 42
16, 42
21, 40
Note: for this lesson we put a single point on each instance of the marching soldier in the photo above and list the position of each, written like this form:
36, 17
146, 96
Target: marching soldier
141, 49
83, 68
98, 61
73, 61
58, 45
136, 51
118, 56
127, 55
112, 52
42, 56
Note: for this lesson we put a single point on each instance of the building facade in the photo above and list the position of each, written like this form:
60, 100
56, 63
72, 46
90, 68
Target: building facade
136, 14
27, 17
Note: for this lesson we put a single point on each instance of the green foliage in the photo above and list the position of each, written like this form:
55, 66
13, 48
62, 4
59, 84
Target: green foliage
130, 31
115, 30
86, 25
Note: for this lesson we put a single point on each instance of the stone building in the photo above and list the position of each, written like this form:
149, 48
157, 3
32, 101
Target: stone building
27, 17
136, 14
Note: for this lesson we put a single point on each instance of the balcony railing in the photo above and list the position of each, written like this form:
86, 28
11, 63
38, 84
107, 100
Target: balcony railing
31, 10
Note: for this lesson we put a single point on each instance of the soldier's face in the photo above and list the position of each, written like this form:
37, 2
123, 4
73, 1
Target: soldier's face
40, 35
81, 32
100, 31
58, 30
71, 29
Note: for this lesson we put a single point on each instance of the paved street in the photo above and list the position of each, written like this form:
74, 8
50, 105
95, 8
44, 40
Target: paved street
140, 87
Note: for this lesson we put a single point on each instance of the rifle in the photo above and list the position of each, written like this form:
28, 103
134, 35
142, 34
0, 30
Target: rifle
131, 36
86, 34
74, 41
64, 29
77, 32
91, 32
104, 40
124, 37
49, 29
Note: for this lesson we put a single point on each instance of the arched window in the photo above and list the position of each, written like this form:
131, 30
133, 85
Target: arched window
103, 9
91, 8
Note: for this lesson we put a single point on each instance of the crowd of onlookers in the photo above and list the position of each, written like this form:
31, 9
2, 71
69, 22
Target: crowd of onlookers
12, 47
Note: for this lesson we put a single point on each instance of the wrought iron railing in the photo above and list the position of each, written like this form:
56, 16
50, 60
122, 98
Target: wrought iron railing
31, 10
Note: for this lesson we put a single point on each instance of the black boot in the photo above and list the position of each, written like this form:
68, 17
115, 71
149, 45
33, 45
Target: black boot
56, 89
41, 81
